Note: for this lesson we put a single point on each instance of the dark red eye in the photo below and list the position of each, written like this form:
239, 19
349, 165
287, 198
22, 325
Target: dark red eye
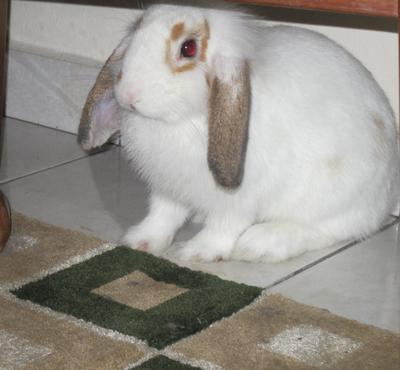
189, 49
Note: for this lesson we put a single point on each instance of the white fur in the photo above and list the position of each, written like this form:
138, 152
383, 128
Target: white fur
318, 170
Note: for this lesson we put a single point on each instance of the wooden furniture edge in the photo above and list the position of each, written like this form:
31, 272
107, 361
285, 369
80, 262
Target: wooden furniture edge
382, 8
4, 5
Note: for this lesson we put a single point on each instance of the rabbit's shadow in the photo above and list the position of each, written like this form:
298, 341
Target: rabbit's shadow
122, 195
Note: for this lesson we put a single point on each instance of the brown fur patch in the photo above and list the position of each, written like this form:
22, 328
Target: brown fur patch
208, 79
204, 41
168, 59
228, 128
379, 124
104, 85
185, 68
119, 77
334, 164
380, 138
177, 31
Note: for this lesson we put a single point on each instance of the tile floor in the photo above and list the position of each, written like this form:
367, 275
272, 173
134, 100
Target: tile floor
47, 176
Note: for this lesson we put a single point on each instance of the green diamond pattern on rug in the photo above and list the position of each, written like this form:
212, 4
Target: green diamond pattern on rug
164, 363
207, 299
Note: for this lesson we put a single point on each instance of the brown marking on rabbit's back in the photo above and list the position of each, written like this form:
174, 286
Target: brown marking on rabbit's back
379, 137
334, 164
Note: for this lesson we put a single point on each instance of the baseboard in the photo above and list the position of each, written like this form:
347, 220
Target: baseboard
47, 91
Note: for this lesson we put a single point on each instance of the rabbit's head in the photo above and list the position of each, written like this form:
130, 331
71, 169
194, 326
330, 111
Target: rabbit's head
180, 63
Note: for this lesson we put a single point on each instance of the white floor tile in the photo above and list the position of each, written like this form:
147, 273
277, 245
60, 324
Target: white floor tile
361, 283
94, 195
29, 148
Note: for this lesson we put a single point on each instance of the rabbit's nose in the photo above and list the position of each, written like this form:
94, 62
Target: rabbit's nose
127, 97
130, 99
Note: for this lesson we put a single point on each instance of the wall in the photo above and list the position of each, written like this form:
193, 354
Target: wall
82, 36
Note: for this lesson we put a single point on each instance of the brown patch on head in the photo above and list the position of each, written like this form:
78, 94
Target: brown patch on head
177, 31
175, 68
185, 68
204, 41
229, 110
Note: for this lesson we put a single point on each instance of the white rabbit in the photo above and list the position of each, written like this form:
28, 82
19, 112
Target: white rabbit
277, 136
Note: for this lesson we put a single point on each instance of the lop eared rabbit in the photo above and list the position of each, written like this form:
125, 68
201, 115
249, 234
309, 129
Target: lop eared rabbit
276, 136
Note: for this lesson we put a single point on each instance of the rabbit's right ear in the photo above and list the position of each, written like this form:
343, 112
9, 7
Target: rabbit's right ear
228, 124
100, 118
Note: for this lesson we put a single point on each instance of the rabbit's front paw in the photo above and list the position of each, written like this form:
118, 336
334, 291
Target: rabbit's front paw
146, 241
206, 248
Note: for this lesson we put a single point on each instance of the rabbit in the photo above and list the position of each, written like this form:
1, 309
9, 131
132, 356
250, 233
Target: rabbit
276, 136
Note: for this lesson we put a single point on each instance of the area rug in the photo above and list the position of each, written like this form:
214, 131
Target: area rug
70, 301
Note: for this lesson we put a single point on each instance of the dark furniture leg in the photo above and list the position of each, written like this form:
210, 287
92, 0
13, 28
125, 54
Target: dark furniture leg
3, 45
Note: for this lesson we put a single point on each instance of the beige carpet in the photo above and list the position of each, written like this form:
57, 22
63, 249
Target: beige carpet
69, 301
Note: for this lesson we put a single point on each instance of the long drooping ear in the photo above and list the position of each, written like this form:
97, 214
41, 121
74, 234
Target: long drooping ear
229, 110
100, 115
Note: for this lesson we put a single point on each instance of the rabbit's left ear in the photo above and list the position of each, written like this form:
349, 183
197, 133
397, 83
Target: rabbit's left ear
100, 115
229, 110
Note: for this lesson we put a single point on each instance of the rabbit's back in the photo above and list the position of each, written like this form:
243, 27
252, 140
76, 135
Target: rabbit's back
322, 132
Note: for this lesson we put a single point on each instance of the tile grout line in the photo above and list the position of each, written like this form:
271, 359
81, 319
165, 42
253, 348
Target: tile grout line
326, 257
56, 129
60, 164
8, 181
40, 125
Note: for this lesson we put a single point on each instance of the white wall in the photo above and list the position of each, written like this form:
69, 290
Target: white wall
88, 34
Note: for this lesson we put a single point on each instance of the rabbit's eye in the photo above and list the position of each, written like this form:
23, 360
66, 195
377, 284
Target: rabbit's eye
189, 49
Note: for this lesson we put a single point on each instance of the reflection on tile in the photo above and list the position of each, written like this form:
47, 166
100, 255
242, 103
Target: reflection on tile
361, 283
28, 148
